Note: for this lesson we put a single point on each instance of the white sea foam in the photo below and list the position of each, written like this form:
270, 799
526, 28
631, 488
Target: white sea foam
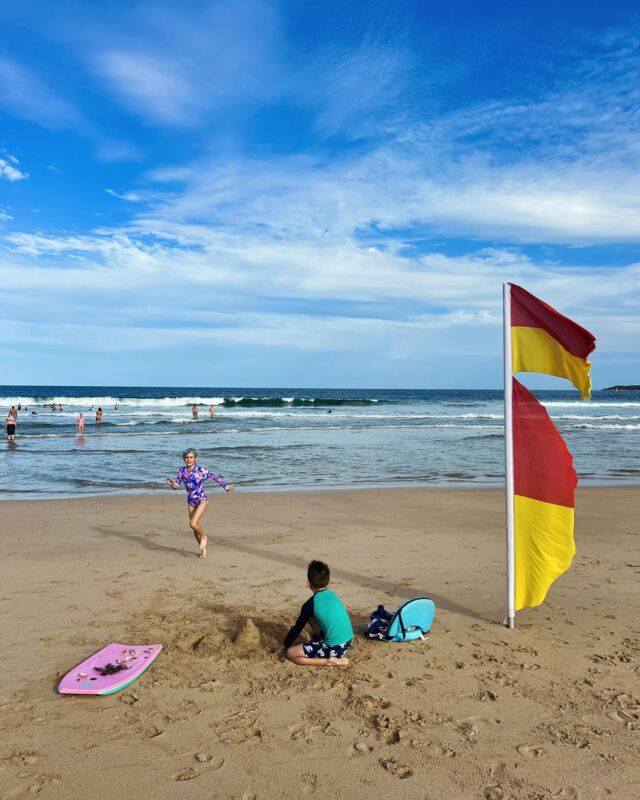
608, 427
588, 404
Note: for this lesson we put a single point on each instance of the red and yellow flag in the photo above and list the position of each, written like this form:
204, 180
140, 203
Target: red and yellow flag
544, 484
543, 340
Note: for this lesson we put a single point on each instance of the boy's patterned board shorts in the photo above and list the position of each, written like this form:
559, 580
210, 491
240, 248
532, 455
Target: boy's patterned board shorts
324, 650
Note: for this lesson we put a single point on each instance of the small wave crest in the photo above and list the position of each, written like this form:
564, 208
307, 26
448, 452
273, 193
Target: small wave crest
296, 402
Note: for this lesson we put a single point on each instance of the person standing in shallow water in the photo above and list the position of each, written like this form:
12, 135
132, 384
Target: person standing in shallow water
194, 411
80, 423
193, 476
10, 427
99, 415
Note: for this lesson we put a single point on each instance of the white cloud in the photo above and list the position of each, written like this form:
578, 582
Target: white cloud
234, 275
397, 190
130, 197
10, 171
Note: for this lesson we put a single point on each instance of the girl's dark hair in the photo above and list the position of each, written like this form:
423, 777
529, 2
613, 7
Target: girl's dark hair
318, 574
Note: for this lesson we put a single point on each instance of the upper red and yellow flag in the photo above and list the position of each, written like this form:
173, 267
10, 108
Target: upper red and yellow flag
543, 340
544, 485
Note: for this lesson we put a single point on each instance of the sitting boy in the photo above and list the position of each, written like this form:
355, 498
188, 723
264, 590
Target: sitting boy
330, 624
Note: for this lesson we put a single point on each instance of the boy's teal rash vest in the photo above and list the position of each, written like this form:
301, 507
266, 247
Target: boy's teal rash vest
329, 613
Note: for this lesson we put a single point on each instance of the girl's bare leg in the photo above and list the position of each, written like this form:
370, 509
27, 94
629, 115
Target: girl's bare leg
195, 515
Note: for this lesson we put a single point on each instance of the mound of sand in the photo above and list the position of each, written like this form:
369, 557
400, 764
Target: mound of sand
248, 636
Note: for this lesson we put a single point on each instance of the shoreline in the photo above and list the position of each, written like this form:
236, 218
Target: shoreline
547, 710
584, 484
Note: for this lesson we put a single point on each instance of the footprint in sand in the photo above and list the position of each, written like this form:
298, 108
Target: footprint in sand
529, 751
19, 792
309, 782
498, 771
493, 793
628, 719
297, 732
29, 790
486, 694
186, 774
442, 750
569, 793
22, 758
399, 770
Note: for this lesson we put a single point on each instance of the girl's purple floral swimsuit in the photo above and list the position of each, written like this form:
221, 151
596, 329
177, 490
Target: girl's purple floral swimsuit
193, 483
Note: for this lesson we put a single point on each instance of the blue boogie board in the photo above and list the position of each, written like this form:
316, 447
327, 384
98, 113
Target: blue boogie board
412, 620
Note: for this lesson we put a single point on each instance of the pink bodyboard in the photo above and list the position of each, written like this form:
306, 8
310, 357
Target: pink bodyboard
131, 660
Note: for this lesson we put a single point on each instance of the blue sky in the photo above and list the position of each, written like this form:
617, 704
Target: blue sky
313, 193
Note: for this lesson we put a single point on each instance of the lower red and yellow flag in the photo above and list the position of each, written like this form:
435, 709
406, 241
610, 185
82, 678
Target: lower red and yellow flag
544, 485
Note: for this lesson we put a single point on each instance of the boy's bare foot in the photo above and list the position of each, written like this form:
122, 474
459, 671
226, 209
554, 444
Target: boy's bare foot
338, 662
203, 547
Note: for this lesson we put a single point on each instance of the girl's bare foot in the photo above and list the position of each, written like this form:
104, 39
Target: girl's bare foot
338, 662
203, 547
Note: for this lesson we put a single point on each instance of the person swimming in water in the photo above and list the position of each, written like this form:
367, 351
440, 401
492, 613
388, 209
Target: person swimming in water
193, 476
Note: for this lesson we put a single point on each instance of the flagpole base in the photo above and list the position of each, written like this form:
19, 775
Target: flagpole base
509, 622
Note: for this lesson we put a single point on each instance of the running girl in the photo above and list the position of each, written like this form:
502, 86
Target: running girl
193, 476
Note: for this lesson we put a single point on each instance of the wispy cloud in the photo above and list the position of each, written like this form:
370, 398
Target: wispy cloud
10, 169
24, 94
172, 69
130, 197
150, 85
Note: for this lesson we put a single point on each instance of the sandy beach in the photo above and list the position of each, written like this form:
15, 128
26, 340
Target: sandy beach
549, 710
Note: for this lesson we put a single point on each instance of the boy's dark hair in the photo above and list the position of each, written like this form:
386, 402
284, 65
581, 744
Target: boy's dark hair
318, 574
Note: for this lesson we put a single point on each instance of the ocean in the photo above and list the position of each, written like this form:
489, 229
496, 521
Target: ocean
294, 439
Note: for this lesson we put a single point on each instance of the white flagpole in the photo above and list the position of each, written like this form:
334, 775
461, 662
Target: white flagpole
510, 621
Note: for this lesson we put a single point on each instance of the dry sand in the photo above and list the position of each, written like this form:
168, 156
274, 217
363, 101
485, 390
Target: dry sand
548, 710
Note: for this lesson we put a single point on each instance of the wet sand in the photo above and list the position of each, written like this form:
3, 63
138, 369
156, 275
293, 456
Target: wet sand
550, 710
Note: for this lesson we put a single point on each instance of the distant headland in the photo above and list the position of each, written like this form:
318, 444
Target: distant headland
621, 389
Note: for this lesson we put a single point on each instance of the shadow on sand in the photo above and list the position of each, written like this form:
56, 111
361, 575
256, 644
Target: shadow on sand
367, 581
